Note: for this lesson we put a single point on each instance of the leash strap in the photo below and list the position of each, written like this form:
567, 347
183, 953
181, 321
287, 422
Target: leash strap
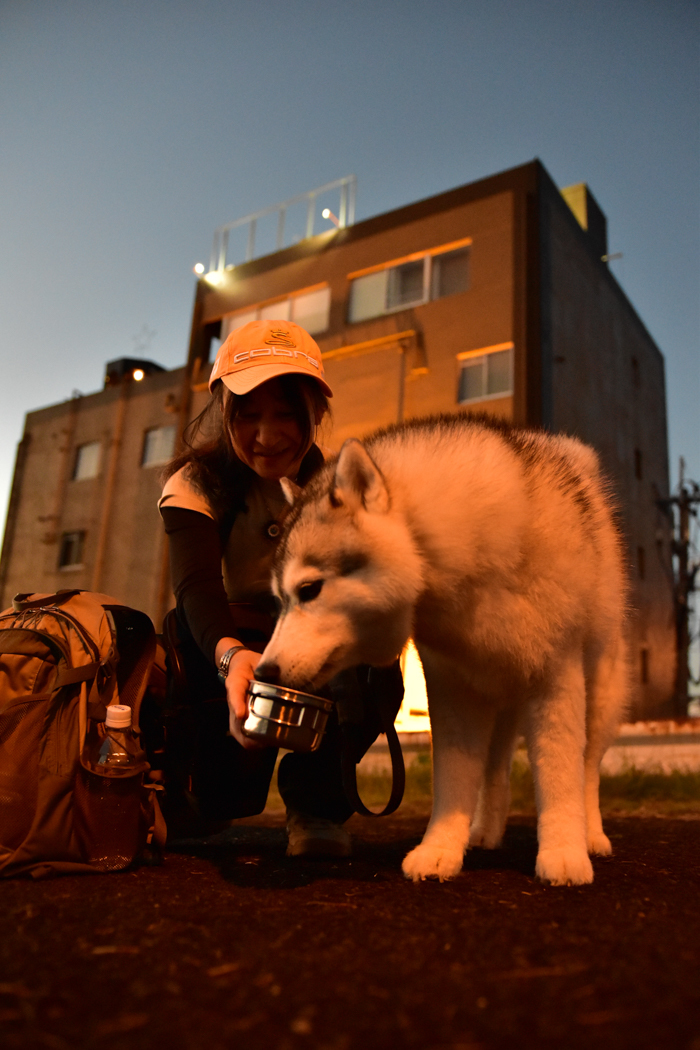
398, 770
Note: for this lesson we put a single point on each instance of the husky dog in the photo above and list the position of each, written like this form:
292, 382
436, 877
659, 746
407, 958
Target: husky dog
496, 549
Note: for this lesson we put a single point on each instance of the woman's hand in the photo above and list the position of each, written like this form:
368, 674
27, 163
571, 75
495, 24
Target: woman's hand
241, 671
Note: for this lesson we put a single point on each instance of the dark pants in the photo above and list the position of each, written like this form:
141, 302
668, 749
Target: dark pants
209, 769
312, 783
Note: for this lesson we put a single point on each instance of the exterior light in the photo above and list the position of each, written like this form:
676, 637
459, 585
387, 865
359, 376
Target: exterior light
214, 278
198, 268
138, 374
328, 214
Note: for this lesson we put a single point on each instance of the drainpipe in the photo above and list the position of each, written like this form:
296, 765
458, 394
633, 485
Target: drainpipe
410, 341
402, 384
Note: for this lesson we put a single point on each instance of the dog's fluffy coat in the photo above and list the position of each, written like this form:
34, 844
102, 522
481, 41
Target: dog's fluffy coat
497, 550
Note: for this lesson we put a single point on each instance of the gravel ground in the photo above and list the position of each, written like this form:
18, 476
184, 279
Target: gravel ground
230, 944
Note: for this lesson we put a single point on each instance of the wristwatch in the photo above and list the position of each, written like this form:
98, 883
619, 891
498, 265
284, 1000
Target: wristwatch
225, 661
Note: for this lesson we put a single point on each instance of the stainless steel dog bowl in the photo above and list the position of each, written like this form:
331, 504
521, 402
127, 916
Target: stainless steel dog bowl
282, 717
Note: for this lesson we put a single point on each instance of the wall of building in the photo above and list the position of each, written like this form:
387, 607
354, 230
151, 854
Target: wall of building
368, 386
124, 548
608, 388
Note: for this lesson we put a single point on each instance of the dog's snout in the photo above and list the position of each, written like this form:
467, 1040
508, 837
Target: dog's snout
268, 672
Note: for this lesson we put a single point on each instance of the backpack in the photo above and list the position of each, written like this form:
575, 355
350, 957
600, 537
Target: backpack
64, 658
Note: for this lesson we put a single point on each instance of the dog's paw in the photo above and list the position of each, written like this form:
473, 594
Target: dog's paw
564, 867
599, 844
485, 837
432, 862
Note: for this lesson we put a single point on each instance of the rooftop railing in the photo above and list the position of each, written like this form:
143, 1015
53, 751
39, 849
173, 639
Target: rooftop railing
347, 187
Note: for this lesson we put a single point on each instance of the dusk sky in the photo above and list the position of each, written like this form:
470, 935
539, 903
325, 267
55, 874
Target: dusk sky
130, 131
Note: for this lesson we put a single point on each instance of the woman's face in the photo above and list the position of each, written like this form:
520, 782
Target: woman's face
265, 433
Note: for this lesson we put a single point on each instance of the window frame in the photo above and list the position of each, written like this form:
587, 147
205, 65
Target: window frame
428, 289
485, 352
435, 270
146, 465
66, 539
78, 455
255, 310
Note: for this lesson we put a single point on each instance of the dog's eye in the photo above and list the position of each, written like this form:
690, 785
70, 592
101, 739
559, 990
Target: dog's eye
308, 591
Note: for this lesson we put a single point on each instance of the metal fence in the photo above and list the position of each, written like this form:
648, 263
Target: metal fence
347, 187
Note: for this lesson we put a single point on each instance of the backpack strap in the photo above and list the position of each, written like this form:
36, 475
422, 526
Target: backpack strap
71, 675
21, 602
95, 703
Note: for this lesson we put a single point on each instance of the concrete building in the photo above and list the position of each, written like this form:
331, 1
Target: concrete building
493, 297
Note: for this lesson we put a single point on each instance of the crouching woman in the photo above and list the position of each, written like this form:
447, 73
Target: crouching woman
222, 507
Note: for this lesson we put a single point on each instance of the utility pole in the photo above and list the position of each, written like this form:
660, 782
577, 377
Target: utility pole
684, 584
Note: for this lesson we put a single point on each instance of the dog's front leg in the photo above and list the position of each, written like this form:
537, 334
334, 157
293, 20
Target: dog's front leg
460, 744
556, 731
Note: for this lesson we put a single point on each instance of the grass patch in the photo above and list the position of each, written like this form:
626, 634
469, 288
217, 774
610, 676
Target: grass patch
375, 788
632, 791
522, 789
641, 785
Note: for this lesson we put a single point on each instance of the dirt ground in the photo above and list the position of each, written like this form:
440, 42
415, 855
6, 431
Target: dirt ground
230, 944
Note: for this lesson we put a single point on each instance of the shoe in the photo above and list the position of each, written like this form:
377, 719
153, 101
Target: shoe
316, 837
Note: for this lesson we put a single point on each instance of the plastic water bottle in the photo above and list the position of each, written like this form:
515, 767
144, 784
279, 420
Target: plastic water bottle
114, 751
108, 816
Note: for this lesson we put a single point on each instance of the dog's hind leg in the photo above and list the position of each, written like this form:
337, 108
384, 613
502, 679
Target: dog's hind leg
556, 737
607, 699
494, 796
460, 731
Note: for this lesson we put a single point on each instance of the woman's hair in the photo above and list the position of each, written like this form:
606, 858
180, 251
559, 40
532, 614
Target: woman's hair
214, 467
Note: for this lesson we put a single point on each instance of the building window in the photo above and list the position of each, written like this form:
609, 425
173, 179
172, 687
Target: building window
281, 311
405, 285
70, 554
313, 310
644, 666
87, 461
310, 309
411, 282
368, 296
450, 273
484, 376
231, 322
158, 446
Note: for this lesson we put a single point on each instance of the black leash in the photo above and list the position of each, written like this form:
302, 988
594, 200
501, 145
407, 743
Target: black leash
398, 770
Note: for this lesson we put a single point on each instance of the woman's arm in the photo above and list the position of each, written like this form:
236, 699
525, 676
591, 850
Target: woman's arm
195, 567
241, 671
195, 571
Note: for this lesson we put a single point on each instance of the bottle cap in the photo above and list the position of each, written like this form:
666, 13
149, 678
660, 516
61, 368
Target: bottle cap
118, 716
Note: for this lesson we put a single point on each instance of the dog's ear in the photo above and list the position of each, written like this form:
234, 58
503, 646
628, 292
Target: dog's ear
358, 481
291, 490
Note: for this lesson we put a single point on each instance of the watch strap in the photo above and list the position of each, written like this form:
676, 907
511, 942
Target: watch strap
225, 661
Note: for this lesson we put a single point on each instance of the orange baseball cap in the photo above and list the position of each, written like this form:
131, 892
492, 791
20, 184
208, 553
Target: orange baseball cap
261, 350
